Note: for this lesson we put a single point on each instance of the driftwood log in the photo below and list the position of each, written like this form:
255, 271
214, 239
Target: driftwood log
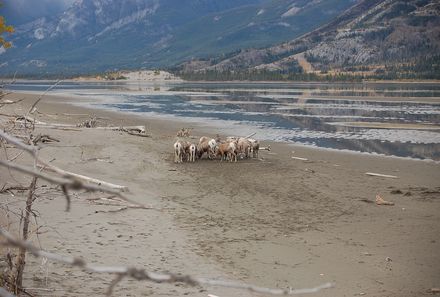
89, 124
44, 138
380, 175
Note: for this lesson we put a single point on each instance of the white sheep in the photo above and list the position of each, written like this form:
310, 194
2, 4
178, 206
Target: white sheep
178, 152
212, 146
192, 152
232, 152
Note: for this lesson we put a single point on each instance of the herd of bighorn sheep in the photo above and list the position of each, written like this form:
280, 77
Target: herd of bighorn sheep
230, 149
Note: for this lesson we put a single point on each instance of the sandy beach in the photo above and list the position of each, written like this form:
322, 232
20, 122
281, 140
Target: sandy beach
275, 221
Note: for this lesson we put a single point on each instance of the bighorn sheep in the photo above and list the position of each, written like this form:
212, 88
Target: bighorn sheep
203, 139
192, 153
185, 147
178, 152
227, 150
244, 147
202, 147
212, 146
206, 145
255, 147
232, 154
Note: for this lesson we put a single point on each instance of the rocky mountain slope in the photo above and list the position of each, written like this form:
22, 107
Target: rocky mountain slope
370, 37
99, 35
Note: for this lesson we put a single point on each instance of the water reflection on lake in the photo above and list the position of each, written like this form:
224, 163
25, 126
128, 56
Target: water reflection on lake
401, 119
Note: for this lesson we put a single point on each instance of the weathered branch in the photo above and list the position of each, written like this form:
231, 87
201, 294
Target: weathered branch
380, 175
250, 135
83, 177
17, 142
143, 275
31, 110
69, 182
43, 138
138, 134
7, 102
33, 151
133, 129
16, 277
10, 188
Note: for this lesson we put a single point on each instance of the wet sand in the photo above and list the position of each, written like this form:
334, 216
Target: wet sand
274, 221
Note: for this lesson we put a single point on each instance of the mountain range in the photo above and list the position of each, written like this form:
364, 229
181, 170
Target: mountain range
381, 39
199, 37
102, 35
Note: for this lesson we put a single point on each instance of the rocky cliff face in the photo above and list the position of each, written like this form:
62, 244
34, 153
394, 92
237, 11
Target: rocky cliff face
369, 34
393, 31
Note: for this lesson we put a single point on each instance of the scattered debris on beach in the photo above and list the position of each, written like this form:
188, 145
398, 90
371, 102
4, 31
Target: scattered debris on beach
381, 201
380, 175
299, 158
435, 291
43, 138
90, 123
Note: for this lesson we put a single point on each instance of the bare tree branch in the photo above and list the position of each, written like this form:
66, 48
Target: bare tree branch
66, 194
117, 188
6, 102
17, 142
143, 275
10, 188
41, 97
17, 273
70, 182
113, 284
33, 151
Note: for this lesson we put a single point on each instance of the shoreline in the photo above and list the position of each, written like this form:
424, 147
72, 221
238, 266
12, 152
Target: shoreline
273, 221
212, 127
179, 80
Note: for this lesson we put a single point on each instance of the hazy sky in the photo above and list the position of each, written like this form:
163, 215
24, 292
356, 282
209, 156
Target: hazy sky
21, 11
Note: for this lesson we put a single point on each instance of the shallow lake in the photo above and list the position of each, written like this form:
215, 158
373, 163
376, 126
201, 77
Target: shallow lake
399, 119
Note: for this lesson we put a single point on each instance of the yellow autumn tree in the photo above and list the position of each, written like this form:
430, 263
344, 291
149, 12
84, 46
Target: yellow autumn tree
4, 28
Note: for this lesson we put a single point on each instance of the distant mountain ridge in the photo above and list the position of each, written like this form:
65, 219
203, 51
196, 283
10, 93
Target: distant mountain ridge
101, 35
372, 38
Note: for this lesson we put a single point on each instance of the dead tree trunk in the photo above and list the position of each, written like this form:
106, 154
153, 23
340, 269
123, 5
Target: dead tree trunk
16, 279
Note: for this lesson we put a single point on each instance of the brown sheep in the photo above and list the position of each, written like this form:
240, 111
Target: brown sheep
255, 147
227, 150
203, 147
